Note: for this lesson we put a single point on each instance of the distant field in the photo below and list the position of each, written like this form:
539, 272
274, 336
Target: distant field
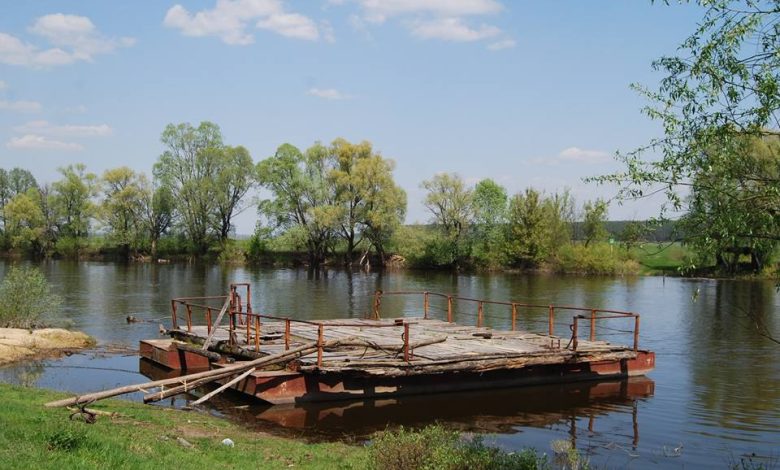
660, 257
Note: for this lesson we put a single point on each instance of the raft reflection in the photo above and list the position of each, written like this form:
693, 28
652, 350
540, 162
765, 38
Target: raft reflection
501, 411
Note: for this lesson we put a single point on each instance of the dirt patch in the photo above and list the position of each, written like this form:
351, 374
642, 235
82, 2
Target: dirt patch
17, 344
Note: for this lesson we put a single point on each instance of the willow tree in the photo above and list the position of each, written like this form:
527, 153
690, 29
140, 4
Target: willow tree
722, 86
371, 205
235, 178
73, 195
303, 200
451, 204
121, 208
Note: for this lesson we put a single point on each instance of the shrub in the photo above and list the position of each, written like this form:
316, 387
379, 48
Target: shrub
435, 447
25, 296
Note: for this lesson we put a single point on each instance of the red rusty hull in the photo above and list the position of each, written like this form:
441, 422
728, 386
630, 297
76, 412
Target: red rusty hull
279, 387
294, 387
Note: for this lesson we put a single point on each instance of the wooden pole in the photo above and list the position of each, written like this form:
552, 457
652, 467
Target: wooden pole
174, 320
574, 334
221, 313
232, 369
425, 305
479, 314
221, 389
449, 308
257, 333
593, 325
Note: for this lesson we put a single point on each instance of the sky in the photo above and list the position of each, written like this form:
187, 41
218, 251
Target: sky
526, 93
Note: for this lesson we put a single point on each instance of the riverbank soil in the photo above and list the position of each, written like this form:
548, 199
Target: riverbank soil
132, 435
18, 344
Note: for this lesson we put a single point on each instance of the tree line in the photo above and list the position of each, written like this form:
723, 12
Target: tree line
339, 203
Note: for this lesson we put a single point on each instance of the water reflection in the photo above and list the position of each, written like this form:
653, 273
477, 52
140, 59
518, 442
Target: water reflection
717, 381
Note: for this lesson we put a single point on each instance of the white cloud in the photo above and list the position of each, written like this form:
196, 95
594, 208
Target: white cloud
20, 106
378, 11
291, 25
230, 19
75, 38
576, 154
68, 130
502, 44
435, 19
452, 29
328, 94
37, 142
3, 85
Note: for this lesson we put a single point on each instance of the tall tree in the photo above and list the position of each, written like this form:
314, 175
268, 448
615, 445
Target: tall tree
12, 183
73, 196
594, 218
157, 212
490, 210
235, 177
538, 225
122, 206
451, 203
372, 206
302, 198
25, 221
189, 167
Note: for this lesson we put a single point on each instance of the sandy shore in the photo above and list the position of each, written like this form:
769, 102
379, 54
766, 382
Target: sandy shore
17, 344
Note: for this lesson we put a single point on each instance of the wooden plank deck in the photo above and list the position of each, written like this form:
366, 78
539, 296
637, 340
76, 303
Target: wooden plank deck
460, 347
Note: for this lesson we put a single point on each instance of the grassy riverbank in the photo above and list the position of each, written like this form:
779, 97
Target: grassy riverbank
142, 436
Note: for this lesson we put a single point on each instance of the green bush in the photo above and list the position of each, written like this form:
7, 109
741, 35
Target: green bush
597, 258
25, 297
435, 447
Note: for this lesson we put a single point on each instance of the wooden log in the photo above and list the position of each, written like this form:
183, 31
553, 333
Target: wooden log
220, 347
185, 387
236, 368
221, 389
216, 323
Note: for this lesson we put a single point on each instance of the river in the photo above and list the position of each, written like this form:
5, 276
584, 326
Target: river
713, 398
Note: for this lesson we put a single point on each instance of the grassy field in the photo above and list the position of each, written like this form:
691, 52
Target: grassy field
143, 436
659, 258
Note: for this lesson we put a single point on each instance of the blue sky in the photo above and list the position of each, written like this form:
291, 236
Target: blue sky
527, 93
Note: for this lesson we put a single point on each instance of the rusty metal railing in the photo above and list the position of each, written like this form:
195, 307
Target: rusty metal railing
242, 321
590, 315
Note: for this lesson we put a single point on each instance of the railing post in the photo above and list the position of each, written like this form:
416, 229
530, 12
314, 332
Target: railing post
449, 309
406, 342
593, 325
514, 316
425, 305
287, 334
636, 332
174, 322
479, 314
248, 327
574, 339
249, 298
257, 334
320, 334
189, 318
377, 303
551, 320
231, 325
208, 320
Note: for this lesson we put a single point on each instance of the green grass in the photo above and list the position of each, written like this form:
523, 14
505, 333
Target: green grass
142, 436
657, 258
32, 436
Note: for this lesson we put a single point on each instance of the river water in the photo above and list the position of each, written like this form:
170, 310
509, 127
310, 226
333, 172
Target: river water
713, 399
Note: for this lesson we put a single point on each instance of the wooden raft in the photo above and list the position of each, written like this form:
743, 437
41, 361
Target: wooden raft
455, 348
